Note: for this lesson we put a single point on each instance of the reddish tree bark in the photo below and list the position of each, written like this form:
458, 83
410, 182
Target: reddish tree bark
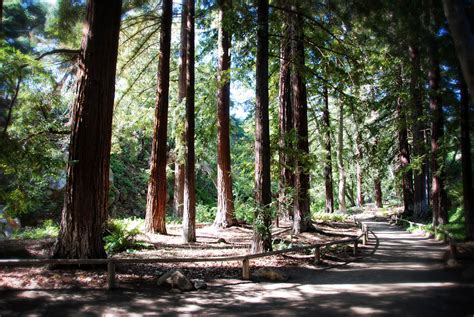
189, 206
359, 178
285, 120
378, 192
329, 197
225, 205
155, 216
178, 192
262, 238
87, 189
301, 212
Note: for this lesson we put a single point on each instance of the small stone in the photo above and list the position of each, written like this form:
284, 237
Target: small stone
270, 274
176, 279
221, 240
452, 263
199, 284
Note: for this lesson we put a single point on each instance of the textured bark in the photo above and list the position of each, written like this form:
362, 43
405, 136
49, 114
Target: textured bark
301, 212
378, 192
225, 204
463, 36
420, 205
468, 191
178, 192
359, 177
404, 156
155, 216
87, 189
285, 120
329, 197
262, 239
340, 160
438, 193
189, 210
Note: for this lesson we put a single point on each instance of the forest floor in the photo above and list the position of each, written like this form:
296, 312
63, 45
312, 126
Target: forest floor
401, 273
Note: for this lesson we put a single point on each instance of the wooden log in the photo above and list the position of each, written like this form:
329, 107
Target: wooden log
452, 249
246, 269
111, 275
317, 255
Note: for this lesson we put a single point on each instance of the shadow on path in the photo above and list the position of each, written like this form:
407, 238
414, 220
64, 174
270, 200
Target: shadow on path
406, 276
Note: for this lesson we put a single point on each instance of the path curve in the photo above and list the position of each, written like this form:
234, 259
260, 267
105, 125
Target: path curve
405, 276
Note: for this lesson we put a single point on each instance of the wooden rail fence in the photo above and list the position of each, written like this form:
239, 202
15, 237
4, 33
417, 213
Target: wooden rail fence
245, 259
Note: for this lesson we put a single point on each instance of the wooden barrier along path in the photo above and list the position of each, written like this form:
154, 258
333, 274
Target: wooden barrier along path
245, 259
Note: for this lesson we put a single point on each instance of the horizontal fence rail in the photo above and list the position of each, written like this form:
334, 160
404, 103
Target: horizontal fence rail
245, 259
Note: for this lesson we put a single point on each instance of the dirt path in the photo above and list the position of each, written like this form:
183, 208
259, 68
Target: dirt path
406, 276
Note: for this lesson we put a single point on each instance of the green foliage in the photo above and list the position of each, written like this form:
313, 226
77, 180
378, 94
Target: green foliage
120, 235
205, 213
335, 216
48, 229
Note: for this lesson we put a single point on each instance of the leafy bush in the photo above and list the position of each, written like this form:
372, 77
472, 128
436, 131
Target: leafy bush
325, 216
48, 229
205, 213
120, 235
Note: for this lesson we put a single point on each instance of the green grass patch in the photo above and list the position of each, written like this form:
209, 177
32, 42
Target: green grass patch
48, 229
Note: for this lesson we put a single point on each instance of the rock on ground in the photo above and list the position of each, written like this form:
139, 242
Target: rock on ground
176, 280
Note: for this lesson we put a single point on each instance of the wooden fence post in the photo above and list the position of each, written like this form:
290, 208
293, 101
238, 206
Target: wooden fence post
111, 274
317, 255
355, 246
246, 269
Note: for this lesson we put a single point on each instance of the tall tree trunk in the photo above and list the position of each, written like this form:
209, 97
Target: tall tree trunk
359, 177
463, 36
155, 217
189, 211
404, 154
87, 189
225, 204
178, 193
419, 205
301, 212
378, 192
262, 237
468, 190
340, 160
285, 117
329, 198
438, 193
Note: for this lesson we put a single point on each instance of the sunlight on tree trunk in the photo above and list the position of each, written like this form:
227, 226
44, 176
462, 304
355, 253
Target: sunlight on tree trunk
155, 216
225, 203
87, 189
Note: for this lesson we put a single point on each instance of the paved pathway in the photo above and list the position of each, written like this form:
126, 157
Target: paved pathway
405, 277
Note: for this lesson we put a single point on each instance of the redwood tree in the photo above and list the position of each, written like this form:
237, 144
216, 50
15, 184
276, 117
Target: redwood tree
178, 192
438, 193
156, 198
225, 205
189, 199
262, 239
404, 153
329, 197
87, 189
301, 212
285, 122
340, 160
